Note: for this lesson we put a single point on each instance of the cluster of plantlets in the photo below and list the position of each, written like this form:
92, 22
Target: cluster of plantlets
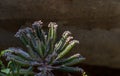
44, 52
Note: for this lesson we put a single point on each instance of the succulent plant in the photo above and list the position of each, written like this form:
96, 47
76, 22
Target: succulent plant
44, 52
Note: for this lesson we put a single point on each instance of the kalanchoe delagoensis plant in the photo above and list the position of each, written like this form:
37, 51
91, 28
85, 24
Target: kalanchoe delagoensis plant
44, 51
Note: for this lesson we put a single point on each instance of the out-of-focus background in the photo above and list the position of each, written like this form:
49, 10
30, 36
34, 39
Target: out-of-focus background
95, 23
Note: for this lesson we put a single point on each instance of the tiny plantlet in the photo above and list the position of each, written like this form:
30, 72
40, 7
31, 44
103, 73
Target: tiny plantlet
44, 52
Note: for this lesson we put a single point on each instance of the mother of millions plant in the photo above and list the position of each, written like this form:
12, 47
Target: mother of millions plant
44, 52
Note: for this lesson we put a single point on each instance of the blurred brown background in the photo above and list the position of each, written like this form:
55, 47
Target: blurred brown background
95, 23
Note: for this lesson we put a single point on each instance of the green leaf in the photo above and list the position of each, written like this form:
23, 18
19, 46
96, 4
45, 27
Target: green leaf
21, 53
59, 45
9, 63
70, 69
52, 35
1, 64
6, 71
4, 51
67, 60
39, 49
62, 42
21, 60
73, 61
67, 49
39, 32
48, 48
23, 37
32, 52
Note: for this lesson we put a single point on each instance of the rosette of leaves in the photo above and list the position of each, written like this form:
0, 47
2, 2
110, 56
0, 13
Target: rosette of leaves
44, 51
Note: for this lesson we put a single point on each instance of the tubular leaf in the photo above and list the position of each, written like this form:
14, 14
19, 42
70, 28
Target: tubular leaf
73, 61
67, 49
70, 69
62, 40
52, 35
66, 60
21, 60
